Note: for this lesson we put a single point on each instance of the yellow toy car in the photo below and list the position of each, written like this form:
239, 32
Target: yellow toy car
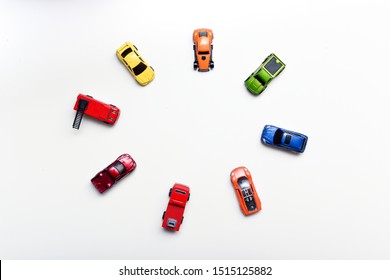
142, 72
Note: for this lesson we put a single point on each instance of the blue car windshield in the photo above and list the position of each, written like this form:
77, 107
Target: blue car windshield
278, 136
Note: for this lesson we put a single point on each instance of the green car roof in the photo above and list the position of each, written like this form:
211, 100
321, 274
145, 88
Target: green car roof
269, 69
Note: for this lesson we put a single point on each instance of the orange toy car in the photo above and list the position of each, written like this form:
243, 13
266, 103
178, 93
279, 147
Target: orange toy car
203, 49
245, 190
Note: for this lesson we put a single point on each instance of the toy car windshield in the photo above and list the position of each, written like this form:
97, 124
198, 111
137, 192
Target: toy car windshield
139, 68
120, 167
278, 136
126, 52
243, 183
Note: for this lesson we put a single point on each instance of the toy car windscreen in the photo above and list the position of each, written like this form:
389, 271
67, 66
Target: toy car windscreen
273, 66
243, 183
203, 34
120, 167
259, 79
139, 68
126, 52
180, 191
278, 136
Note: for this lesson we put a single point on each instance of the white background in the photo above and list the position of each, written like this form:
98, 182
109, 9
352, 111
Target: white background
332, 202
110, 269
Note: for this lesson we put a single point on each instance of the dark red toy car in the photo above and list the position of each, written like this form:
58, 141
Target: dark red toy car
86, 104
113, 173
173, 216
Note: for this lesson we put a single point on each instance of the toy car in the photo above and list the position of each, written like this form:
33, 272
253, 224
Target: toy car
173, 216
203, 49
121, 167
86, 104
142, 72
285, 139
268, 70
245, 190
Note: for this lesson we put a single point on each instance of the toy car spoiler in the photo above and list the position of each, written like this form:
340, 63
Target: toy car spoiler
87, 105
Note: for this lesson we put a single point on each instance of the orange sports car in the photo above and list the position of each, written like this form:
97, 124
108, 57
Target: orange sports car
245, 190
203, 49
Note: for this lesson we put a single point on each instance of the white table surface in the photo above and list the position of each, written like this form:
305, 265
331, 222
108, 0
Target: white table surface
332, 202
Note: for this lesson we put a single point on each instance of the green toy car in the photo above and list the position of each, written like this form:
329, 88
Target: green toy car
269, 69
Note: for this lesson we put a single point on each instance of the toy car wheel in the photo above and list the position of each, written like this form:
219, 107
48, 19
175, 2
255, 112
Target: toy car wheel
182, 220
212, 65
188, 197
193, 47
135, 47
152, 68
163, 215
89, 96
170, 192
195, 65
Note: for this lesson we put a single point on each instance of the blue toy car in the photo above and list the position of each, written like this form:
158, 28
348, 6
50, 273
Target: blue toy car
284, 139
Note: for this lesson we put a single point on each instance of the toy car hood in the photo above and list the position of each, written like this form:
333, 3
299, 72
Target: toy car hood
254, 85
268, 134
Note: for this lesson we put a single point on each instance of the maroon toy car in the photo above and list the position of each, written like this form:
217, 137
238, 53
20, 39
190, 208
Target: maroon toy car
173, 216
87, 105
113, 173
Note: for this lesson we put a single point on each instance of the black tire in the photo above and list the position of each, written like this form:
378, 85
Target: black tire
195, 65
170, 192
212, 65
89, 96
152, 68
188, 197
163, 215
182, 220
135, 47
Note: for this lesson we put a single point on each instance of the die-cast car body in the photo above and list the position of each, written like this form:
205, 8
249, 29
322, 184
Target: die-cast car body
87, 105
203, 49
141, 71
173, 217
284, 139
245, 190
267, 71
121, 167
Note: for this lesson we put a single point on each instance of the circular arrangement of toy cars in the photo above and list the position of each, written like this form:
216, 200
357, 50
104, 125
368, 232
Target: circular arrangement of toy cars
179, 194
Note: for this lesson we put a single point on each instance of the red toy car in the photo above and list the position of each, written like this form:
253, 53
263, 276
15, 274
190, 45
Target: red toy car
86, 104
113, 173
173, 216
